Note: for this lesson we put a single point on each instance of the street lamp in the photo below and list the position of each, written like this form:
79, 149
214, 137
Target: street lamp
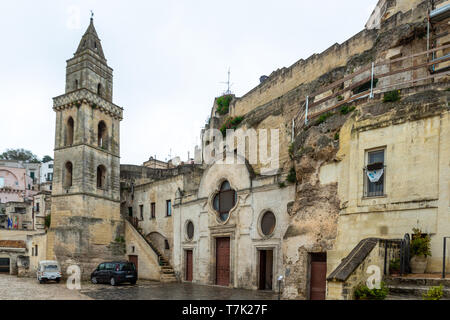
280, 278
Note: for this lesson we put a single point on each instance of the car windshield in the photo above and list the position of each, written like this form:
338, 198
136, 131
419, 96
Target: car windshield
51, 267
127, 267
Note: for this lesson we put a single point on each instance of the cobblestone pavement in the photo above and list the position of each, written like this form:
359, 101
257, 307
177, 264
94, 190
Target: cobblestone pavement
147, 290
14, 288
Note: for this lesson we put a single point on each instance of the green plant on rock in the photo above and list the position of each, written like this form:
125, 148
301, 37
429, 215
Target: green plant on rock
282, 185
434, 293
336, 136
323, 118
120, 239
340, 98
362, 292
292, 176
223, 104
420, 245
394, 265
291, 150
230, 123
392, 96
347, 109
48, 220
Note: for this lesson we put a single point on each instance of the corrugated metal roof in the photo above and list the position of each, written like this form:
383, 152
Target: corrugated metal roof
12, 244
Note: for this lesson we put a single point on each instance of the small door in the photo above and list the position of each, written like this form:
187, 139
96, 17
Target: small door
188, 265
4, 265
265, 269
134, 259
223, 261
318, 280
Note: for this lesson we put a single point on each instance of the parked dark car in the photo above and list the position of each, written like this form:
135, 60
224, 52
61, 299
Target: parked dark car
115, 273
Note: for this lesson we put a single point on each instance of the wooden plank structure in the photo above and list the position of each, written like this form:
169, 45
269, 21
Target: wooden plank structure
314, 109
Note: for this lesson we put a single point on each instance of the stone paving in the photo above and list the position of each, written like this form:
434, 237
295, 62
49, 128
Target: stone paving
147, 290
14, 288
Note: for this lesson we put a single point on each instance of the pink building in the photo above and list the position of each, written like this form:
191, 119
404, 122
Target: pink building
15, 185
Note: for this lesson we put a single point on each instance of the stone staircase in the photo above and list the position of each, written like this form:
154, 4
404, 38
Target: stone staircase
167, 272
413, 287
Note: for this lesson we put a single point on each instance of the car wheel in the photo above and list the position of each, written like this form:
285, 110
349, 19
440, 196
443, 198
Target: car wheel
41, 281
94, 280
112, 281
133, 282
58, 280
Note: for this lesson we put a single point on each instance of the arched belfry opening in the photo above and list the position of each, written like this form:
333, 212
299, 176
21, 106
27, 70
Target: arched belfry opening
68, 172
69, 131
102, 134
101, 177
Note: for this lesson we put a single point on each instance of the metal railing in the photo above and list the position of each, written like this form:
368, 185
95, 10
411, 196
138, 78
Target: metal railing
310, 108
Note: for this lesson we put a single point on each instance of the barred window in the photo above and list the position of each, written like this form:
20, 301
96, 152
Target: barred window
374, 174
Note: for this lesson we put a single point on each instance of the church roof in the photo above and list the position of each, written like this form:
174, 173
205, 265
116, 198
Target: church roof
91, 41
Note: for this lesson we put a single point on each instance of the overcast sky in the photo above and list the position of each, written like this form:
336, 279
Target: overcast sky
169, 59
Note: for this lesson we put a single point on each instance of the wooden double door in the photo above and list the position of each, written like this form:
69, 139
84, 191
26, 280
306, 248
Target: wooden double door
223, 261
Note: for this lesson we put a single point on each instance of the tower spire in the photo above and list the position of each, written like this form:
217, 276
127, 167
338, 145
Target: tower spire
90, 40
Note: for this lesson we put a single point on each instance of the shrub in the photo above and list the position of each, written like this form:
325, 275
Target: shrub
336, 136
340, 98
48, 220
448, 89
323, 118
434, 293
230, 123
362, 292
291, 150
223, 104
347, 109
394, 265
392, 96
282, 185
420, 246
292, 176
120, 239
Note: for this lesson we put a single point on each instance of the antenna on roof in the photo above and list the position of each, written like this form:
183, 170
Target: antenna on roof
228, 83
92, 14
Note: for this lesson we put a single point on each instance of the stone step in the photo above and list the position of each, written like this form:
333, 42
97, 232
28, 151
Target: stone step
417, 281
412, 290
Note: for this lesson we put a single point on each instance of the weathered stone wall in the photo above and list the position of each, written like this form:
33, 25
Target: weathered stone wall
413, 133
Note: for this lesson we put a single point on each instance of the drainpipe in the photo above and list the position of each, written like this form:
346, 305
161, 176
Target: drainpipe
306, 110
371, 83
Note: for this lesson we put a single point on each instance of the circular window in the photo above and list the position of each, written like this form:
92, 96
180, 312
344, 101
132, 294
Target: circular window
268, 223
190, 230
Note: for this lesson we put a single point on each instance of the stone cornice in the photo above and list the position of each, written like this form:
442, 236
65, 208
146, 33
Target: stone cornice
75, 98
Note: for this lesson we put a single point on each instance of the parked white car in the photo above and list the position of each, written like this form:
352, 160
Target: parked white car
48, 270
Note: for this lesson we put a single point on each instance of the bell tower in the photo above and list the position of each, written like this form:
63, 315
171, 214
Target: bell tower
85, 212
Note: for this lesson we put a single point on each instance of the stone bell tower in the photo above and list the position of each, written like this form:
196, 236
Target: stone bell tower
85, 211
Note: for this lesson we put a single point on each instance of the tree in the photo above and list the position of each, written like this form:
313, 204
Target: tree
19, 155
47, 158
